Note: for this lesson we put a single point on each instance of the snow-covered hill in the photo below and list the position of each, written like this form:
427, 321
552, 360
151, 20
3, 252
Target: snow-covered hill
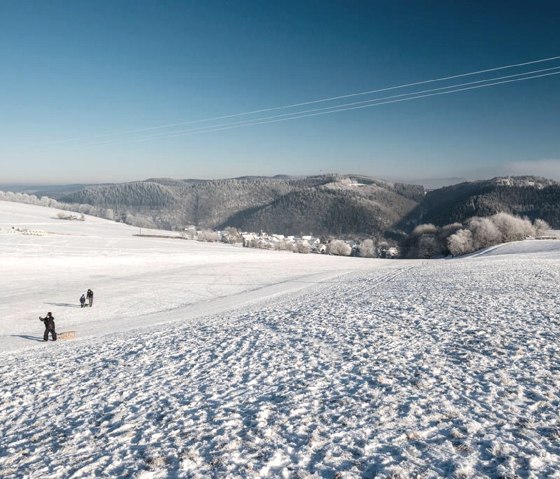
137, 281
262, 364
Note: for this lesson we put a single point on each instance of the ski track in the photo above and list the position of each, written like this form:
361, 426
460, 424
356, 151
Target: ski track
442, 369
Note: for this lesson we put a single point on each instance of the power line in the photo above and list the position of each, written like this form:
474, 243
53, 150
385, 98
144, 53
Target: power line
364, 102
296, 116
347, 106
311, 102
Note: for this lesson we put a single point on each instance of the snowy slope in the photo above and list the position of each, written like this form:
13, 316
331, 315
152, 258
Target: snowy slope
427, 369
137, 281
541, 247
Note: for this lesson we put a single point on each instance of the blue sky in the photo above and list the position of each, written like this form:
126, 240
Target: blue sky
83, 84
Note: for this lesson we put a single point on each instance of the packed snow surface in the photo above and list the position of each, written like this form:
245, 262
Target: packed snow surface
204, 361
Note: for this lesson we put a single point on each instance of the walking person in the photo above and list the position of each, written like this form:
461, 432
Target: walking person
83, 300
89, 296
48, 320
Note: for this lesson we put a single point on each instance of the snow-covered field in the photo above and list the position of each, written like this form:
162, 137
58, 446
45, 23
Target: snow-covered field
213, 361
137, 281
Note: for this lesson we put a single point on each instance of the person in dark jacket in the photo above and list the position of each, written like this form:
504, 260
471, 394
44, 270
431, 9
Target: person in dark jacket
49, 326
89, 296
83, 300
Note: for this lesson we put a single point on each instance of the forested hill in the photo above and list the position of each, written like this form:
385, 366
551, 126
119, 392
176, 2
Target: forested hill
523, 196
326, 204
329, 210
337, 205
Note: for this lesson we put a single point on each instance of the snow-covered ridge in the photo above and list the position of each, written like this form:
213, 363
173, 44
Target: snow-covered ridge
524, 181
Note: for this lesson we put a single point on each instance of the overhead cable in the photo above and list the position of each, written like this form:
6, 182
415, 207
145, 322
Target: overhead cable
311, 102
344, 107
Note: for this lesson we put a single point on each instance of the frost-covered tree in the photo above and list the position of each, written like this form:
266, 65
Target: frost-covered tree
460, 243
478, 233
484, 231
425, 229
231, 235
302, 247
367, 249
46, 201
208, 236
512, 228
496, 229
109, 214
138, 220
450, 229
444, 233
339, 248
541, 227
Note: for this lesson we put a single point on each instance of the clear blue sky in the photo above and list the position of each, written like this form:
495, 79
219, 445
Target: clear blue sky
75, 75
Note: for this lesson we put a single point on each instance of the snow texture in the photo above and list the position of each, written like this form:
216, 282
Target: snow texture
371, 368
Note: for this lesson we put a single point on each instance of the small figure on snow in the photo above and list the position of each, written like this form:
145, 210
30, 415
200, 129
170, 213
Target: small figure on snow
49, 326
83, 300
89, 296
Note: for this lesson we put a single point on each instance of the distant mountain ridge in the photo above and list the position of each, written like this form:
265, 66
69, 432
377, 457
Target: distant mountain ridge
337, 205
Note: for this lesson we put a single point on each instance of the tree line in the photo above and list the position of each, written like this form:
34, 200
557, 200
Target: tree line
476, 233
